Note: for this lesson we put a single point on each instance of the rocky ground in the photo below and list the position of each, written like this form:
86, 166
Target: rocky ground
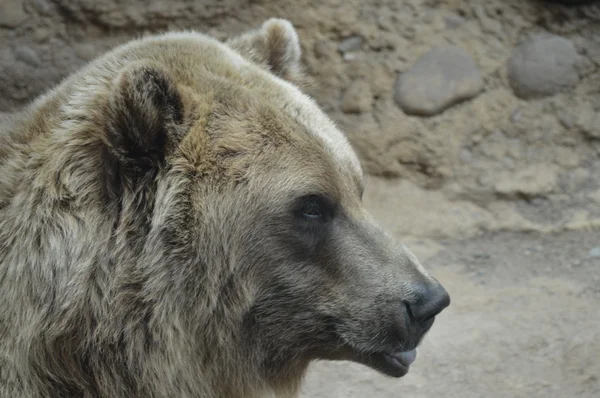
479, 124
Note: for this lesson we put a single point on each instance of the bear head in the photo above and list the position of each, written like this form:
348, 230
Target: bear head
241, 205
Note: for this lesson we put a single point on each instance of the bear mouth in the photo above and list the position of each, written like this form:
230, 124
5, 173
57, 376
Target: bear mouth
390, 363
391, 358
394, 364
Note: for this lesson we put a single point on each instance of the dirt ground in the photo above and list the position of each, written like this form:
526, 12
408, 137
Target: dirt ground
498, 194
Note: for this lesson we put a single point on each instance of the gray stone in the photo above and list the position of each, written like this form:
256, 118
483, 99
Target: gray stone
11, 13
595, 196
594, 253
353, 56
42, 6
27, 55
565, 119
516, 115
357, 98
41, 34
588, 121
437, 80
532, 181
543, 65
352, 43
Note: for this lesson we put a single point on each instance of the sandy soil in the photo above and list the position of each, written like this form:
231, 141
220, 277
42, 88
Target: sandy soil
499, 196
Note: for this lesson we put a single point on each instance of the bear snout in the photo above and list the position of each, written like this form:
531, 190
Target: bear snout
430, 300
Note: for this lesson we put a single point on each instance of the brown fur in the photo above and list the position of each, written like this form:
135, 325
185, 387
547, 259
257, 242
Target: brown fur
147, 242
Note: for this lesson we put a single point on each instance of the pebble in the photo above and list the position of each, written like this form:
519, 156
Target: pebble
595, 196
11, 13
594, 253
27, 55
481, 256
515, 116
588, 121
535, 180
566, 157
565, 119
353, 56
352, 43
357, 98
41, 35
42, 6
437, 80
543, 65
384, 23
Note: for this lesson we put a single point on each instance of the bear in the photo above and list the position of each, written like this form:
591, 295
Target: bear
179, 219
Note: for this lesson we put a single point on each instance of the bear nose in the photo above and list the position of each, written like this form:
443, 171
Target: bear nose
432, 298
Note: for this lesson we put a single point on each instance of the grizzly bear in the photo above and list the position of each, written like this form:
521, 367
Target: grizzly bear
178, 219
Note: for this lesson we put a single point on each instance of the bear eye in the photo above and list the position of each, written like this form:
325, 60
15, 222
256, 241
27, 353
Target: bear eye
314, 208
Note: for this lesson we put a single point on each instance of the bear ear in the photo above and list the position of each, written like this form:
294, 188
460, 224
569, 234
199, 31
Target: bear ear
143, 119
275, 45
144, 111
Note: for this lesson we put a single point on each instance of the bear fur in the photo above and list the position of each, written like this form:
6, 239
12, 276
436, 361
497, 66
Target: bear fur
178, 219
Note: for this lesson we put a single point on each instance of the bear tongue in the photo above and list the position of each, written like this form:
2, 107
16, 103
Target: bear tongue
406, 358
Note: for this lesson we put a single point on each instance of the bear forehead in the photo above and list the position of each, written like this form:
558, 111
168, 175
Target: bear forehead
205, 56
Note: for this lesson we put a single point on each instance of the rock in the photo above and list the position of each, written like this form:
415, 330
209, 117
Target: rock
508, 218
588, 121
357, 98
442, 77
41, 34
481, 256
11, 13
42, 6
536, 180
352, 43
352, 57
494, 149
516, 115
543, 65
27, 55
578, 177
566, 157
595, 196
594, 253
566, 119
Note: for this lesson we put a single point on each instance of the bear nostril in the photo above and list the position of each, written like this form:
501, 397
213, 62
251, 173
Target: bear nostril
432, 300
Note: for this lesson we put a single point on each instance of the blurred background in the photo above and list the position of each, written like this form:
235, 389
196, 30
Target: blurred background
479, 125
